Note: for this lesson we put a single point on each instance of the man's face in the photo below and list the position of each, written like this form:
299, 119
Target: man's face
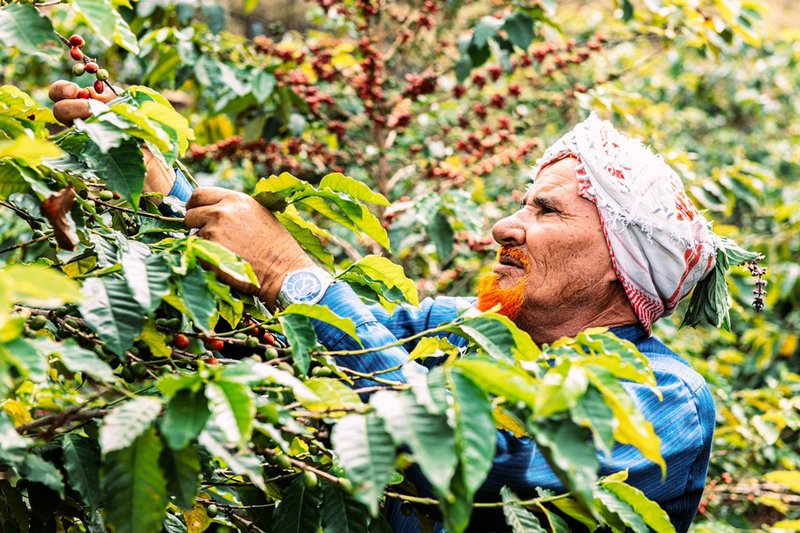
553, 256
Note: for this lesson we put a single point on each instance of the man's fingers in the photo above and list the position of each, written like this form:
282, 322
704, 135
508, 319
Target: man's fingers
197, 217
106, 96
206, 196
66, 111
63, 89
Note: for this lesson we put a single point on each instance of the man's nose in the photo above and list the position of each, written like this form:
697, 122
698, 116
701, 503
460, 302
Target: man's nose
509, 232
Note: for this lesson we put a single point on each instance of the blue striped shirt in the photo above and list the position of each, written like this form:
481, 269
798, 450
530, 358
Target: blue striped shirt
684, 420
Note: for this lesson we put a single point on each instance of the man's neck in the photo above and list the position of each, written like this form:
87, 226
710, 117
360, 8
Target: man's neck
550, 325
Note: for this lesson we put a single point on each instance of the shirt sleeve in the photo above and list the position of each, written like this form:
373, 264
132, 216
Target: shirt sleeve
174, 203
376, 328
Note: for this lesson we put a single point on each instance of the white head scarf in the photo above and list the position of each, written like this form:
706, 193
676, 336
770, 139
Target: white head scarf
660, 245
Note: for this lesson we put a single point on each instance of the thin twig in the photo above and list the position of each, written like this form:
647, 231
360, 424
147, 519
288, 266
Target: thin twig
27, 243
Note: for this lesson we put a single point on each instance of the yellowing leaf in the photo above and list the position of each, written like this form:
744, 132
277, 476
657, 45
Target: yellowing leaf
18, 412
28, 151
167, 116
40, 286
330, 395
787, 478
155, 340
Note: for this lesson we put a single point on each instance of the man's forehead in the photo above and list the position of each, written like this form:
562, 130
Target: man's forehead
554, 180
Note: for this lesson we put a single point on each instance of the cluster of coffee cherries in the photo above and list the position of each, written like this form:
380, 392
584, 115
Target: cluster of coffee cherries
85, 64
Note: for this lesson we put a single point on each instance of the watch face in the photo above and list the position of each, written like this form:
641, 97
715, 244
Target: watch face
303, 287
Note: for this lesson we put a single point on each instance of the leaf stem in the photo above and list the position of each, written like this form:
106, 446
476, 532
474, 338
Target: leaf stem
27, 243
398, 342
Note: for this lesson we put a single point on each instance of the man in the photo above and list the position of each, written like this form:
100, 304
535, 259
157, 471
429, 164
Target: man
605, 236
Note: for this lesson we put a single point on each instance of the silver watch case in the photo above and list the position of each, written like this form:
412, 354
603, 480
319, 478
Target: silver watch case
304, 286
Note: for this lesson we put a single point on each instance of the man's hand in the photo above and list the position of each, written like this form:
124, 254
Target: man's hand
68, 107
248, 229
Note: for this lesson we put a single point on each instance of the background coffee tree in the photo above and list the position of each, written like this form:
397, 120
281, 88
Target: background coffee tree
140, 393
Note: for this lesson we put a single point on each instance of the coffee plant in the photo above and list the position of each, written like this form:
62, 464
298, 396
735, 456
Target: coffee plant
139, 393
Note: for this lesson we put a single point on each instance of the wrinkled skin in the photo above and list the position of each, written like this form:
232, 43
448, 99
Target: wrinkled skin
565, 274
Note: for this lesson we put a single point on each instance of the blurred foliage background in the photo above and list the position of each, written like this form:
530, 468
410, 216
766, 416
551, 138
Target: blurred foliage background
430, 106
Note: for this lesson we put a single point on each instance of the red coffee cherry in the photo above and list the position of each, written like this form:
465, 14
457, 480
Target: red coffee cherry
269, 338
91, 67
181, 341
75, 53
84, 94
99, 86
213, 344
76, 40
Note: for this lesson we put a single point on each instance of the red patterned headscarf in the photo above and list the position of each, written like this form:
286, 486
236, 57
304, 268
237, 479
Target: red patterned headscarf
660, 245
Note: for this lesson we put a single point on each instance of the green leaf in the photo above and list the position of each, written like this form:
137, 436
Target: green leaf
561, 389
357, 190
198, 299
499, 378
520, 519
147, 275
301, 336
78, 359
37, 470
617, 513
99, 15
135, 488
441, 234
40, 286
233, 407
29, 361
13, 510
24, 28
242, 462
631, 428
111, 311
122, 168
391, 275
13, 446
486, 28
298, 511
329, 395
305, 236
11, 180
324, 314
127, 421
430, 438
123, 35
182, 470
221, 258
341, 513
274, 191
82, 463
185, 417
568, 450
366, 451
499, 337
591, 411
475, 432
520, 30
654, 516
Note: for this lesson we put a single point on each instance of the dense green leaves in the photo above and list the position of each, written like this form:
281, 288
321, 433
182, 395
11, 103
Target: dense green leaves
111, 311
185, 417
82, 463
429, 437
366, 451
520, 519
299, 509
135, 488
24, 28
122, 168
126, 422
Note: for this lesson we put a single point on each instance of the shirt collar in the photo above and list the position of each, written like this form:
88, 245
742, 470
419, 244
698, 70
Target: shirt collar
634, 333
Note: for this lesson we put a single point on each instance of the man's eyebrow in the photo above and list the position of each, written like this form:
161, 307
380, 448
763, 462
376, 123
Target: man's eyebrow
541, 201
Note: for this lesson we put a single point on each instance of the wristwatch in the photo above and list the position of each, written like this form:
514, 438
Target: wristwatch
304, 286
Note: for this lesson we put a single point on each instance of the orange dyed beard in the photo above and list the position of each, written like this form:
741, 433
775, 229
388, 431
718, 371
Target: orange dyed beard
490, 293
